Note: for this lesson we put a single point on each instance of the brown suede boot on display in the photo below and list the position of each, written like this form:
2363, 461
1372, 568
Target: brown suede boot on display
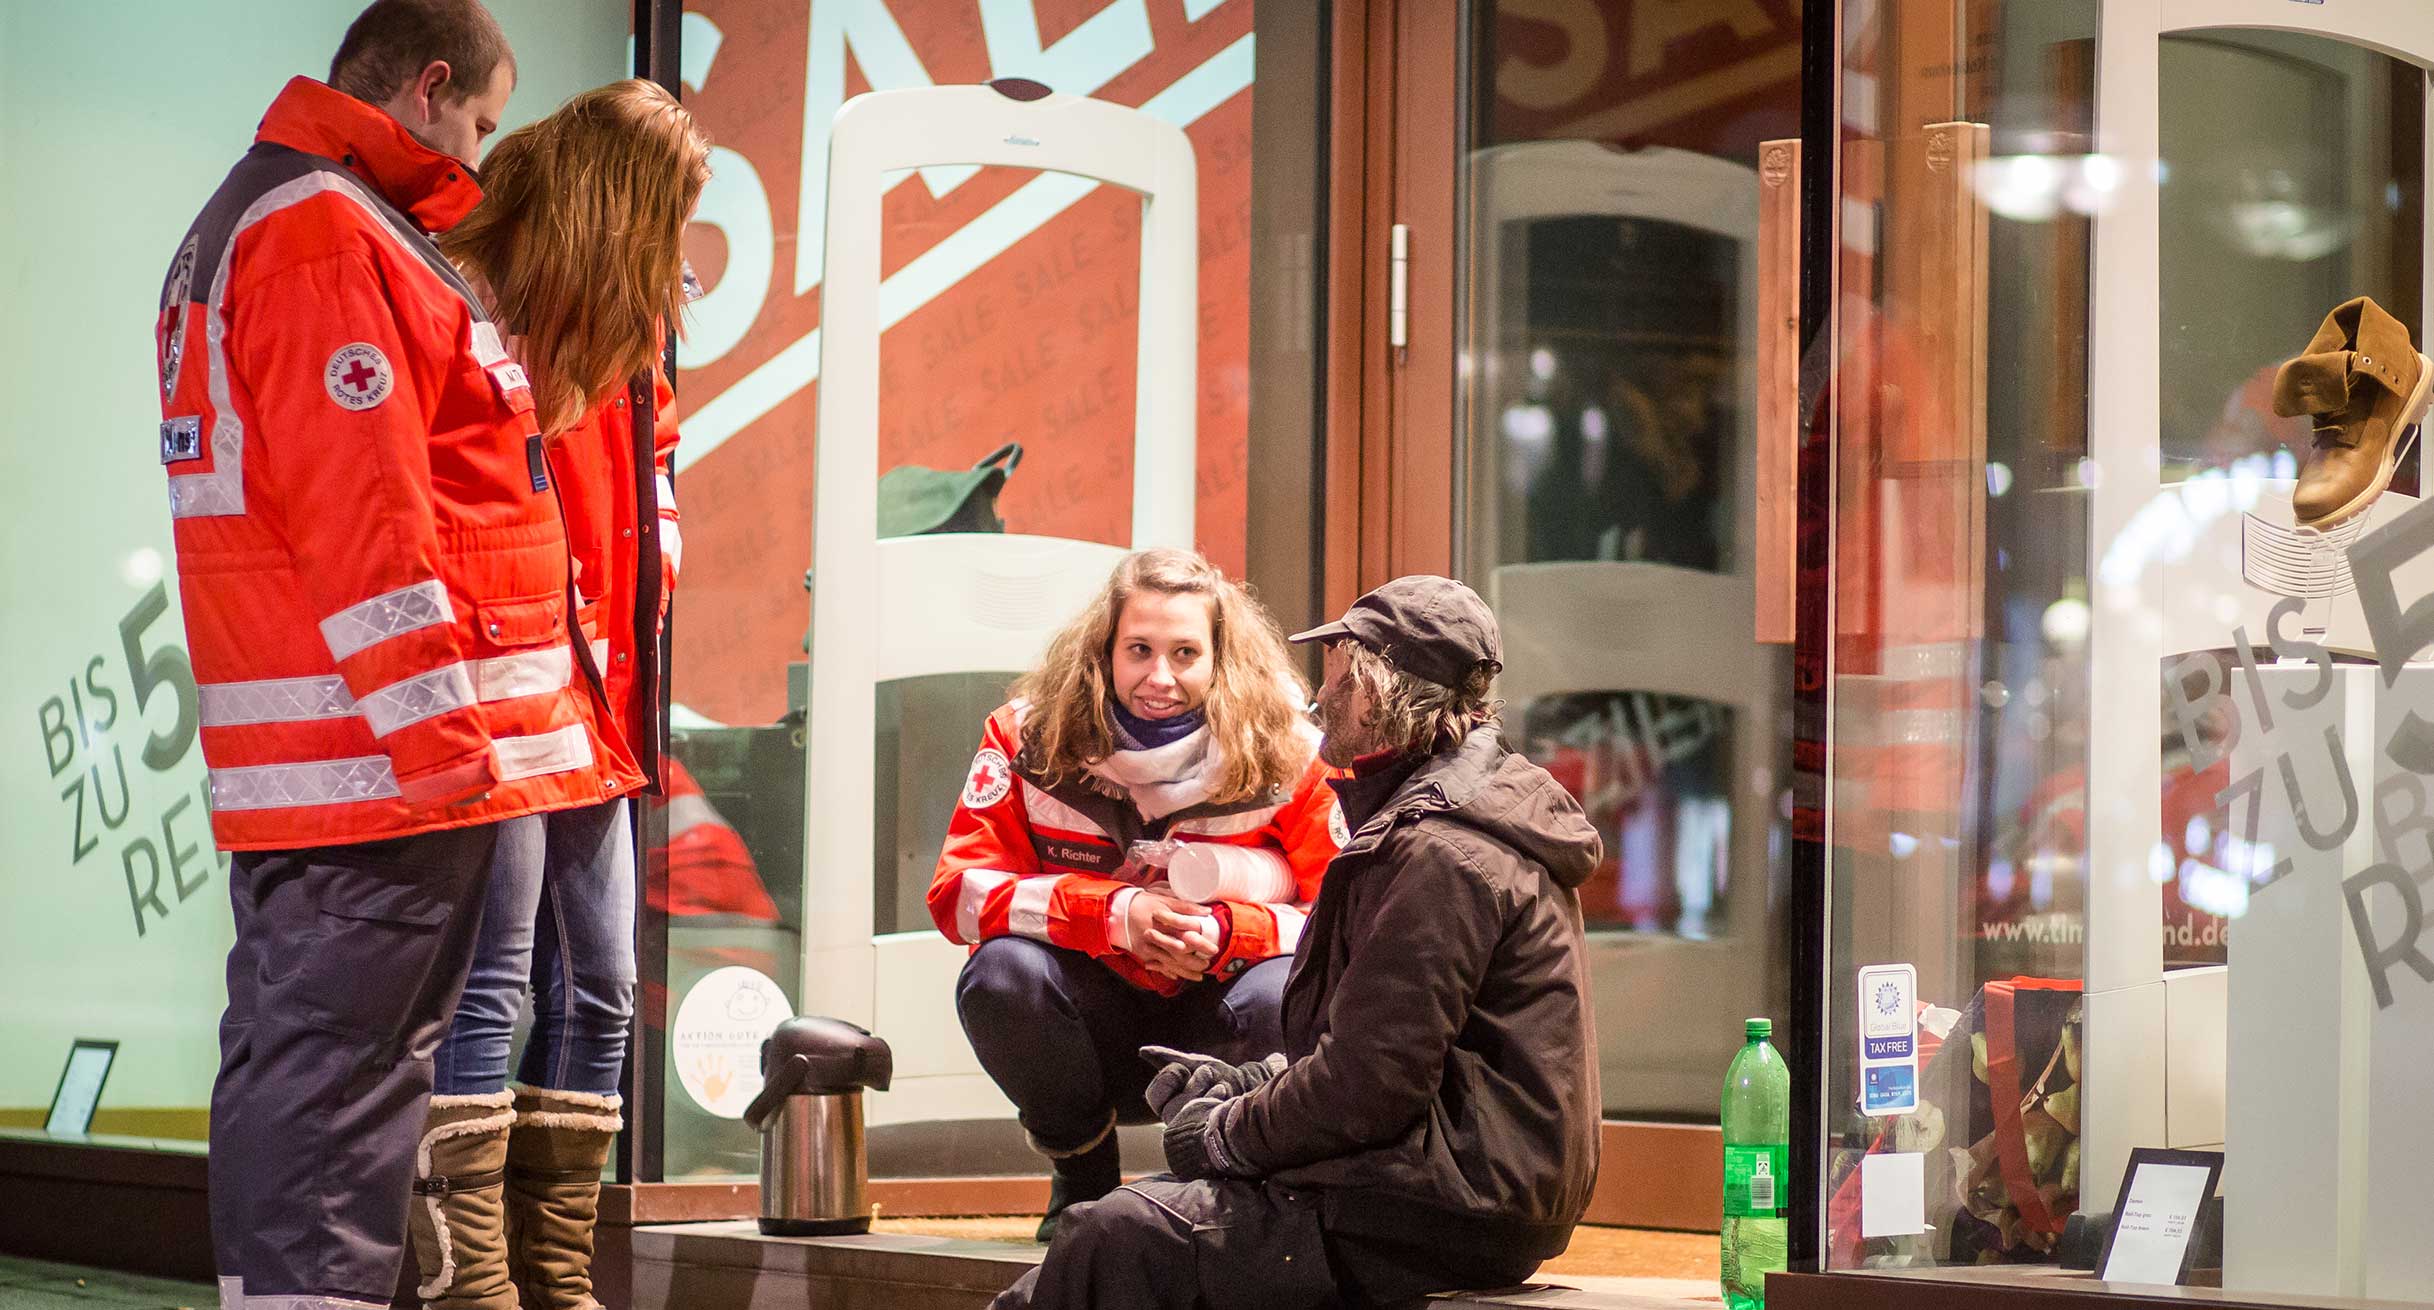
457, 1218
2366, 386
554, 1157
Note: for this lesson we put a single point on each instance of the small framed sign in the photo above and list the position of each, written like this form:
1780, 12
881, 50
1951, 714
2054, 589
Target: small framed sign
2155, 1220
79, 1090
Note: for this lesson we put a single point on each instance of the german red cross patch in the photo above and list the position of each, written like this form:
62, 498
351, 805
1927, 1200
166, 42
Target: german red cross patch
357, 376
991, 779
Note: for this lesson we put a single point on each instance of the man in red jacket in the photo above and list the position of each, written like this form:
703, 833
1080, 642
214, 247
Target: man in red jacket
374, 575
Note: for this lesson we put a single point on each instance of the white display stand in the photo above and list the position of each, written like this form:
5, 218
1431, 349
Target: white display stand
1576, 626
2147, 590
957, 603
2329, 1139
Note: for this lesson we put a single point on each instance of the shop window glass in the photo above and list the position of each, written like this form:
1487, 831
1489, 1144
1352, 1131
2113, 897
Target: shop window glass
2116, 759
117, 922
1009, 303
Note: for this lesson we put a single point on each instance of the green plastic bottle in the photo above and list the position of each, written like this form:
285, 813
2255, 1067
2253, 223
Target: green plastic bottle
1757, 1146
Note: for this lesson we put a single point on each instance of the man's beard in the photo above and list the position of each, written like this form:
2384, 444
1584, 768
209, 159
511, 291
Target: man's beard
1346, 740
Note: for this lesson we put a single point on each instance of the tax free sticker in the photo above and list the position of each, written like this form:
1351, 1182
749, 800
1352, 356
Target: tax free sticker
1888, 1039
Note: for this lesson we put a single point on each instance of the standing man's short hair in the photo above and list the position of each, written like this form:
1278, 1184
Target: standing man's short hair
393, 40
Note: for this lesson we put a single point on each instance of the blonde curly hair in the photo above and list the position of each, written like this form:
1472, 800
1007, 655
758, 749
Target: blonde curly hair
1255, 700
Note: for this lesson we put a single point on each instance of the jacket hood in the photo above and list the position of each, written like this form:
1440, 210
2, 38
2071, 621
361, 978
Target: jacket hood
1484, 785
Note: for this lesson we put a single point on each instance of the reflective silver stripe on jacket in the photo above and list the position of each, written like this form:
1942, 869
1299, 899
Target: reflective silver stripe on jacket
532, 673
370, 778
409, 701
274, 700
371, 622
566, 749
320, 782
487, 348
978, 884
1028, 914
221, 490
1042, 810
1290, 920
298, 700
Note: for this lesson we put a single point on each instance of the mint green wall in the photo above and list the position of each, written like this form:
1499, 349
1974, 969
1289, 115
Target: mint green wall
117, 118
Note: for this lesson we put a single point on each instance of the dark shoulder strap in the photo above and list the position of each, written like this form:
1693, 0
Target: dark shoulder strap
259, 177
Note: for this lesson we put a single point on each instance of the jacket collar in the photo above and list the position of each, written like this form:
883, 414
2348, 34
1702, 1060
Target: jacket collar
432, 188
1377, 798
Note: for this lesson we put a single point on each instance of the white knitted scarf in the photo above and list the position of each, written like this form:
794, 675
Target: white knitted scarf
1165, 779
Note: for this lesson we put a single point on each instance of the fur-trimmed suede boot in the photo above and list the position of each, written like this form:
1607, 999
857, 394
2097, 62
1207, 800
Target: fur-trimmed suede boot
2366, 387
554, 1157
457, 1217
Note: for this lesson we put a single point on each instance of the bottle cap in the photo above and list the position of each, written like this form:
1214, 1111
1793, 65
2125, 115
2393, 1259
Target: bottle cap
1759, 1029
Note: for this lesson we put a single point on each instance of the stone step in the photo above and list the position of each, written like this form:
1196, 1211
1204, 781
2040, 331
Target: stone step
731, 1266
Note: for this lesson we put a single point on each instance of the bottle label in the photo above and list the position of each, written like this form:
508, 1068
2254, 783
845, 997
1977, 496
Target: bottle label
1753, 1181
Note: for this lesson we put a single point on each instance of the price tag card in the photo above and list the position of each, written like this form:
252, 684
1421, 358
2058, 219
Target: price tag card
1888, 1039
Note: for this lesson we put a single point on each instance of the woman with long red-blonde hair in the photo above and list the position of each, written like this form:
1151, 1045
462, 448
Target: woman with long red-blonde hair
1135, 852
577, 249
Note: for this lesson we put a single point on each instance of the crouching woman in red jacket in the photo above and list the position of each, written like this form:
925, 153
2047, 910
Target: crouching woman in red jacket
1136, 847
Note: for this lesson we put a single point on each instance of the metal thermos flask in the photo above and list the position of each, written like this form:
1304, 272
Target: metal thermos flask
814, 1175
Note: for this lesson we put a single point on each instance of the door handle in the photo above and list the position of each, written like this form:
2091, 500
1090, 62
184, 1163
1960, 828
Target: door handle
1778, 418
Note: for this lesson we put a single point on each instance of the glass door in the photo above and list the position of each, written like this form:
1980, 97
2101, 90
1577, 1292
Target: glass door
1606, 480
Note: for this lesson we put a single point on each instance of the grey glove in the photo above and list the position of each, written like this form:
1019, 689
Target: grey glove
1195, 1138
1185, 1076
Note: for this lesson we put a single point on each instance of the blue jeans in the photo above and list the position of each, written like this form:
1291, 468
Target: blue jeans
1061, 1034
559, 915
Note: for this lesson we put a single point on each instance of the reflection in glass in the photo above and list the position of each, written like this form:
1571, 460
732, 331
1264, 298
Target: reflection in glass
1606, 483
723, 846
1654, 774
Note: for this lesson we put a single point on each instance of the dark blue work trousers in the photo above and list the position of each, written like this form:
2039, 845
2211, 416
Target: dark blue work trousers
347, 964
1062, 1033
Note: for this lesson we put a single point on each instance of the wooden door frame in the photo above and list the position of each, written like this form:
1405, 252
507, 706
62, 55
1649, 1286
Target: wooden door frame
1394, 134
1396, 104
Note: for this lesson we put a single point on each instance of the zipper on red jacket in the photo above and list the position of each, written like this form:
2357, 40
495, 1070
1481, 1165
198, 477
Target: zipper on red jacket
574, 618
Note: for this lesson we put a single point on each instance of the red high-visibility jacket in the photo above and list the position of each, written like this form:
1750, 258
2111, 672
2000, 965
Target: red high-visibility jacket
621, 527
370, 552
1047, 860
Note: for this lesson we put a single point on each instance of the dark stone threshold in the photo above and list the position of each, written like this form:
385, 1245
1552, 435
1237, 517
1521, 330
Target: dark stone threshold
731, 1266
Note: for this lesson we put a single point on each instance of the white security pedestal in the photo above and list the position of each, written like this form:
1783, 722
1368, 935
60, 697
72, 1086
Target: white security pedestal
905, 607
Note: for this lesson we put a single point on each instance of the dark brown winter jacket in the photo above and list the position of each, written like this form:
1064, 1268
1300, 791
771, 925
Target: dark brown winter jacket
1443, 1084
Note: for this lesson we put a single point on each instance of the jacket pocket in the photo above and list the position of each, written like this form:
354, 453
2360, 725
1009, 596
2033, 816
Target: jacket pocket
379, 937
522, 621
1256, 1246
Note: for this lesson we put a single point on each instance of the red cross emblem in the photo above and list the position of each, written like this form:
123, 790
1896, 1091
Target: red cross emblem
992, 777
357, 376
